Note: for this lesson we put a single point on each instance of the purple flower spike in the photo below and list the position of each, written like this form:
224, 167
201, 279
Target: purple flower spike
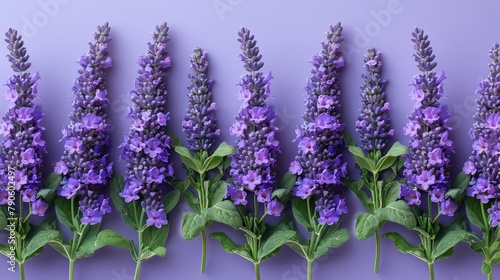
427, 164
199, 124
22, 149
85, 166
318, 164
484, 162
146, 148
373, 124
252, 167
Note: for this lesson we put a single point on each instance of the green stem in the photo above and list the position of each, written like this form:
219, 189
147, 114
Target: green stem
312, 243
490, 275
429, 210
431, 271
309, 213
203, 250
137, 269
20, 218
71, 268
309, 269
377, 251
21, 270
202, 195
138, 252
257, 271
72, 249
374, 195
486, 225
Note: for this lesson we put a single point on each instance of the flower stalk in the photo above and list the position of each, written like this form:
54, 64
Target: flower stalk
318, 168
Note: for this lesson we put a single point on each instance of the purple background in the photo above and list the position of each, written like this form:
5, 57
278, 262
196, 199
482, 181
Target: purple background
288, 34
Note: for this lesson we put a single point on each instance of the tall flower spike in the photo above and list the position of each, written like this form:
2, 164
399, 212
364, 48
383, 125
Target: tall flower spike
252, 167
427, 164
484, 163
21, 152
85, 166
200, 123
318, 165
146, 148
373, 124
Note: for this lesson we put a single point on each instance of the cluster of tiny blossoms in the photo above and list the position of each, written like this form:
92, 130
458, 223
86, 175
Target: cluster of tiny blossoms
484, 163
21, 152
84, 166
318, 164
146, 148
426, 166
252, 166
373, 124
199, 124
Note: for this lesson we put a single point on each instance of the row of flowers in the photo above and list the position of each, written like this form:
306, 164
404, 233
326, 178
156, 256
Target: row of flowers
238, 186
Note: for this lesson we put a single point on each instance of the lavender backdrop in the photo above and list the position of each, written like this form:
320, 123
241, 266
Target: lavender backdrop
289, 33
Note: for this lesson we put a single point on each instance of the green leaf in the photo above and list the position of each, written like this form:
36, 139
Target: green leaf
496, 233
356, 187
224, 212
3, 220
287, 181
495, 259
459, 223
397, 150
285, 223
403, 246
475, 243
88, 245
217, 192
156, 237
160, 251
385, 162
274, 242
145, 255
183, 187
110, 237
225, 165
229, 246
223, 150
301, 213
398, 165
50, 185
446, 254
348, 140
391, 192
366, 225
63, 212
4, 250
361, 160
332, 238
192, 225
495, 246
485, 268
59, 245
126, 209
398, 212
211, 163
36, 243
116, 186
174, 139
295, 244
474, 213
188, 160
171, 200
285, 186
458, 188
448, 241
